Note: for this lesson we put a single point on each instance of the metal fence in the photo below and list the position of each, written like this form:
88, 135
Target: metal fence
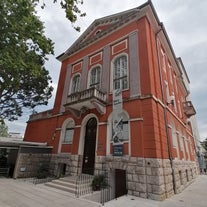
83, 184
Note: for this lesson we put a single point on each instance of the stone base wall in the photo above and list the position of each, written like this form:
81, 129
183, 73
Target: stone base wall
71, 162
151, 178
185, 172
28, 164
146, 177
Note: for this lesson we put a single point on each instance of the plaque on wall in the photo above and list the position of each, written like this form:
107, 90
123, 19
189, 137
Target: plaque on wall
118, 149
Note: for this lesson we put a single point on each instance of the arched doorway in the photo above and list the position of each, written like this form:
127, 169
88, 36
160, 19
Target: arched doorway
89, 147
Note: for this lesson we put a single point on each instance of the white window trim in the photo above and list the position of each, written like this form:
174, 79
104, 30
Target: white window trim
187, 148
83, 131
170, 72
112, 68
175, 83
89, 75
109, 128
175, 139
167, 90
62, 134
71, 82
163, 61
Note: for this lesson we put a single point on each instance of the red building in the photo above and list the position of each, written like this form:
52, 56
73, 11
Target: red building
122, 104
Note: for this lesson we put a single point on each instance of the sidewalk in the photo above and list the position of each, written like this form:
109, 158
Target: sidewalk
14, 193
194, 195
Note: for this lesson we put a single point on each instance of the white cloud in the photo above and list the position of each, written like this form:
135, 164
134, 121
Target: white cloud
185, 23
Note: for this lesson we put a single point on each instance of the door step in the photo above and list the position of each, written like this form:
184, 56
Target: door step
78, 185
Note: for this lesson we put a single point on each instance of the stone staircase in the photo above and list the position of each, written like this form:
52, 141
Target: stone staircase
78, 185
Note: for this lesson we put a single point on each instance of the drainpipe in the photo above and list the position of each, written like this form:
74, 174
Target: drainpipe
165, 112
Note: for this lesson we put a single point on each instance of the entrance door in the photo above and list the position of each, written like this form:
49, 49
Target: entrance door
120, 183
89, 147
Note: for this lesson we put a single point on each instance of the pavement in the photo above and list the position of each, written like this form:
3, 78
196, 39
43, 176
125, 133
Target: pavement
16, 193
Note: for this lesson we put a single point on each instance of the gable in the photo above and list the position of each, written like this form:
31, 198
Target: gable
106, 25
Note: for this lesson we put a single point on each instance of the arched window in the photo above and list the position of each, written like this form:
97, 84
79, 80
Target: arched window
120, 73
95, 74
75, 83
69, 132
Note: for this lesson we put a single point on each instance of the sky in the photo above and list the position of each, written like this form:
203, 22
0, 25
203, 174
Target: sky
185, 22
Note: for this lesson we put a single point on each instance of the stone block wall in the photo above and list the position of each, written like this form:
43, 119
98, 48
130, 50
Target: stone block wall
28, 164
151, 178
72, 162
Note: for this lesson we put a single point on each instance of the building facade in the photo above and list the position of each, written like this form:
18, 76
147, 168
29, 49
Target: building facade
122, 105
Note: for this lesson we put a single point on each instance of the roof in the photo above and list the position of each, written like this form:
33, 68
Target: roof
110, 23
119, 20
5, 141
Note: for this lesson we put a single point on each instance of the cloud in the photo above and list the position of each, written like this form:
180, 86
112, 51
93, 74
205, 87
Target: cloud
185, 23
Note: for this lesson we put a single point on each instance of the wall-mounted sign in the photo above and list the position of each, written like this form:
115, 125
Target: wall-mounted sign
118, 149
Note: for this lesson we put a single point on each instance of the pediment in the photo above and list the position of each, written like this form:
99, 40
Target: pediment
103, 26
99, 28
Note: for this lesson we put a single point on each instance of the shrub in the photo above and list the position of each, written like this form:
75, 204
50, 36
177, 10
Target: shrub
43, 172
98, 182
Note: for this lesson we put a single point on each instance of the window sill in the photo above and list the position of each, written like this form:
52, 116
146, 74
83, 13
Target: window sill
67, 142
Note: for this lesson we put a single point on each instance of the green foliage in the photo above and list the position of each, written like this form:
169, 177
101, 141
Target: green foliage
204, 144
98, 182
24, 81
71, 7
43, 172
3, 129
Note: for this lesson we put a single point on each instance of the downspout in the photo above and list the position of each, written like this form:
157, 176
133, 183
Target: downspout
165, 112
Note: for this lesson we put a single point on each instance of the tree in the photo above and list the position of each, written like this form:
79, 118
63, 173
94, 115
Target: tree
3, 129
24, 81
204, 144
71, 8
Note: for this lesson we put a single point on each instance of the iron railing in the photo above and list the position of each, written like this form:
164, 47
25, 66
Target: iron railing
83, 184
106, 190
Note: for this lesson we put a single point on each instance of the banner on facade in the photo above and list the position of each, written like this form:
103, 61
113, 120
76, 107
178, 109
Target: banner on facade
117, 129
117, 101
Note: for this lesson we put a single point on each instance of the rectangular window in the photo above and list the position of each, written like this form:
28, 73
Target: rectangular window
175, 83
69, 135
187, 148
163, 60
170, 72
181, 142
75, 84
179, 108
167, 92
120, 73
95, 77
174, 139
